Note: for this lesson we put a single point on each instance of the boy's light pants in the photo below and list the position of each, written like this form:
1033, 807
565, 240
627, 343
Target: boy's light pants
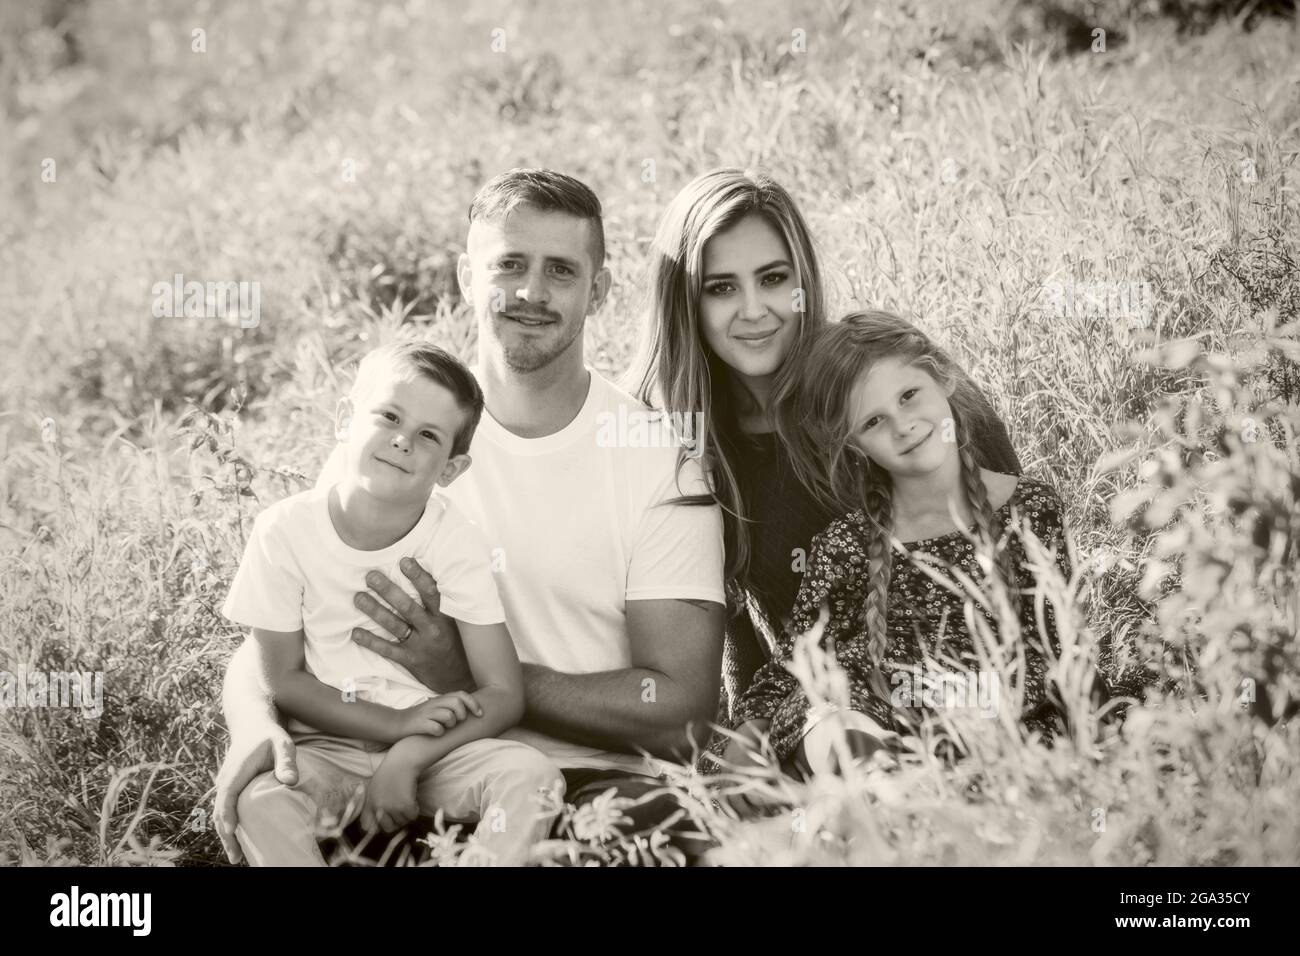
492, 781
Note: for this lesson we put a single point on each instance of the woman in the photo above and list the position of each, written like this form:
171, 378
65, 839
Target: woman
736, 301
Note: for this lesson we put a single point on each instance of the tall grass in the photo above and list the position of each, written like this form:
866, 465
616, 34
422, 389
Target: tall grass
954, 159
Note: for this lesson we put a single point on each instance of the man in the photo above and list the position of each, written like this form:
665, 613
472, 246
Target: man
612, 590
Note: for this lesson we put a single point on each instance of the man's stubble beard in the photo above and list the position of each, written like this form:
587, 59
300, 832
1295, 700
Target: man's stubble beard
528, 357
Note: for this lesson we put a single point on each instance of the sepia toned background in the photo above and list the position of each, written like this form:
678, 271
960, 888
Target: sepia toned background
962, 163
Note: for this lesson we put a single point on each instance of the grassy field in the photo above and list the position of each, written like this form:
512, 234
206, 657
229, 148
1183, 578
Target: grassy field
961, 162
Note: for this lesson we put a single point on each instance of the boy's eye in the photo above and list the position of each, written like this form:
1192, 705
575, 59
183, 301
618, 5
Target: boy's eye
389, 415
429, 434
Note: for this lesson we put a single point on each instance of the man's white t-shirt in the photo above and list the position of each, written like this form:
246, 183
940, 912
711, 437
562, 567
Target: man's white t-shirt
575, 529
298, 574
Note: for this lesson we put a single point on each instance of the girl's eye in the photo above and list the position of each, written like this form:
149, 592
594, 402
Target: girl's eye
718, 288
909, 393
774, 278
871, 423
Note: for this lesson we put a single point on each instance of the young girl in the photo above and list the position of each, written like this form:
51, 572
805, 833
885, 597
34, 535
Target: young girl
884, 418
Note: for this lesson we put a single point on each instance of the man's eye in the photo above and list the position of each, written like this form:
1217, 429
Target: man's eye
507, 265
562, 270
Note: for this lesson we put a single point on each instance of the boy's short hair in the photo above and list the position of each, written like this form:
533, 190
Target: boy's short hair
546, 191
410, 359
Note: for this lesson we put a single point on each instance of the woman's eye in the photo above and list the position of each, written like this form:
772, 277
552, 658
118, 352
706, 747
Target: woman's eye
775, 278
718, 288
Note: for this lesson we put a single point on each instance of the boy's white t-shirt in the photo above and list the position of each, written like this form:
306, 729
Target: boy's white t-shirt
574, 534
297, 574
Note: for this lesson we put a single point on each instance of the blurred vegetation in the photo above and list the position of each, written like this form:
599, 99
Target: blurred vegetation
953, 158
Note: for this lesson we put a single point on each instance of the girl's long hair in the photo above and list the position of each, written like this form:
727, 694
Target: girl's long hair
842, 479
677, 371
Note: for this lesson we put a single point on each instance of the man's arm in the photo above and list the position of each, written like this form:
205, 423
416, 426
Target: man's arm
257, 742
662, 704
246, 700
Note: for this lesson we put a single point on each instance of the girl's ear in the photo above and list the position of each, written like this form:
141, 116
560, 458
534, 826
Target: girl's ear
343, 418
950, 385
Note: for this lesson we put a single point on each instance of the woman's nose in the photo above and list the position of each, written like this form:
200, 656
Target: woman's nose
750, 306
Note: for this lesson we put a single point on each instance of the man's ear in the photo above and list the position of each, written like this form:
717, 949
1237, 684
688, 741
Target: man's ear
454, 468
343, 418
464, 277
600, 287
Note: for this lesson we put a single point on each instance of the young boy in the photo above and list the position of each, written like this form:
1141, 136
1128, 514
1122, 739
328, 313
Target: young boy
357, 718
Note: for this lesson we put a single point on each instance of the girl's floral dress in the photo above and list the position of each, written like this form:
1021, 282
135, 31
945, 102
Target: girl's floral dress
922, 617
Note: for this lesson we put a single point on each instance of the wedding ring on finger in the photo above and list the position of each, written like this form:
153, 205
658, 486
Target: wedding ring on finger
406, 635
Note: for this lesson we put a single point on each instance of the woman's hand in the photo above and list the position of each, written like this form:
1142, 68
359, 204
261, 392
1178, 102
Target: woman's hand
251, 753
432, 651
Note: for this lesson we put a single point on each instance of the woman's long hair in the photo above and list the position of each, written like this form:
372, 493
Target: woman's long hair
676, 370
834, 469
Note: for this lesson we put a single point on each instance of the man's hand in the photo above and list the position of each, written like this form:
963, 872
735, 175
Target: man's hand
390, 795
248, 756
439, 714
433, 652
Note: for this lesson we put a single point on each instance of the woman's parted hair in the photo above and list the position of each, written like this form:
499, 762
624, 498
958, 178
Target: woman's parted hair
676, 370
835, 471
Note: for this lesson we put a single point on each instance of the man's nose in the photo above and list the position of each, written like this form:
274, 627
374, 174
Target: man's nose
534, 289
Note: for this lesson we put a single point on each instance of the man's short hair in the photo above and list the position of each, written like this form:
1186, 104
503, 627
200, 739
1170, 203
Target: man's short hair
406, 360
546, 191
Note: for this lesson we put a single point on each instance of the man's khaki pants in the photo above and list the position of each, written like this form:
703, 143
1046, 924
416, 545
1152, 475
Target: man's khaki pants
493, 781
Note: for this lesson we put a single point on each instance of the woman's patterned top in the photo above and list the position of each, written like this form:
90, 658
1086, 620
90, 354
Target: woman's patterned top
921, 613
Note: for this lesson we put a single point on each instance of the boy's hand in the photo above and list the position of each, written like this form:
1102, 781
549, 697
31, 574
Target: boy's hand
439, 714
390, 796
